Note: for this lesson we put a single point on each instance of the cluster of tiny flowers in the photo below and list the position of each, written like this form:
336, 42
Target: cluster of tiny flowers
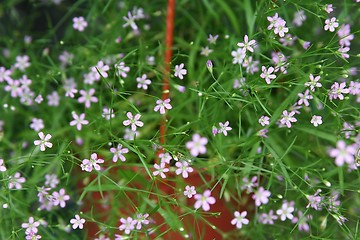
183, 166
50, 200
223, 128
129, 224
241, 55
278, 24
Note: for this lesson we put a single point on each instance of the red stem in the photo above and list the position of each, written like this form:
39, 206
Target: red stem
167, 60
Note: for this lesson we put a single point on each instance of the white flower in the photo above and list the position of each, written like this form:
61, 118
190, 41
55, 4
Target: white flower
44, 141
240, 219
180, 71
77, 222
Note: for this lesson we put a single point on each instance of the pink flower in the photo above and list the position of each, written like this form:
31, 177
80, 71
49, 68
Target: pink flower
143, 82
165, 157
224, 127
141, 220
133, 121
189, 191
280, 27
78, 120
314, 82
272, 21
2, 167
304, 97
100, 70
60, 197
316, 120
121, 70
328, 8
315, 201
77, 222
285, 211
337, 91
93, 162
267, 74
240, 219
247, 45
44, 141
31, 226
264, 120
204, 200
79, 23
16, 181
87, 97
288, 118
343, 153
183, 168
118, 153
37, 124
238, 56
268, 218
180, 71
160, 170
162, 105
22, 62
331, 24
127, 225
197, 145
261, 196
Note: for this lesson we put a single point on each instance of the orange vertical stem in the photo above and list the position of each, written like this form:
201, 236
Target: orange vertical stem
167, 60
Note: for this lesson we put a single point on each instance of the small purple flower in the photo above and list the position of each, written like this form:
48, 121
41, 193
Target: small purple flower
37, 124
189, 191
261, 196
247, 45
141, 220
304, 97
133, 121
77, 222
79, 120
60, 197
343, 153
118, 153
162, 105
316, 120
165, 157
127, 225
183, 168
264, 120
285, 211
288, 118
15, 181
224, 127
314, 82
180, 71
267, 74
197, 145
331, 24
204, 200
160, 170
44, 141
121, 70
79, 23
240, 219
87, 97
143, 82
315, 201
31, 226
93, 162
268, 218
